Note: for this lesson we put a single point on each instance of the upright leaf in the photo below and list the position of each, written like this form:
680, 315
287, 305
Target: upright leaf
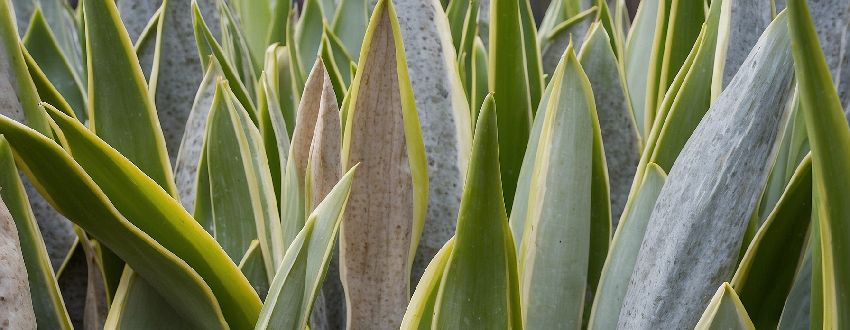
555, 249
508, 78
619, 131
637, 59
47, 303
725, 311
830, 140
74, 193
159, 215
17, 91
45, 50
302, 271
349, 24
385, 216
16, 305
623, 252
482, 245
243, 202
121, 111
766, 272
420, 311
696, 229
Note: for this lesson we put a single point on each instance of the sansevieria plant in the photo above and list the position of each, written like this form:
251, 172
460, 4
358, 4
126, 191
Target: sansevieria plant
424, 164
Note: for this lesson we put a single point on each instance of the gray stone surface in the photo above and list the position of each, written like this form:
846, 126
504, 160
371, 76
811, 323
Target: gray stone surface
694, 235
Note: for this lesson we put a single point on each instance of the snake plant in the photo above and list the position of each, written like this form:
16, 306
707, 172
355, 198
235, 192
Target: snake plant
424, 164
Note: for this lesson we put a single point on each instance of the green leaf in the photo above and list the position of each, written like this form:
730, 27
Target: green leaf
555, 250
276, 111
308, 32
148, 50
254, 268
244, 206
159, 215
829, 137
327, 55
279, 21
420, 311
302, 271
382, 120
795, 313
765, 275
207, 46
619, 131
747, 21
624, 250
45, 50
257, 18
725, 311
508, 78
46, 301
482, 245
696, 229
18, 90
532, 53
572, 30
236, 48
294, 197
689, 97
138, 305
350, 25
76, 196
121, 111
191, 146
46, 91
478, 86
680, 35
458, 14
637, 58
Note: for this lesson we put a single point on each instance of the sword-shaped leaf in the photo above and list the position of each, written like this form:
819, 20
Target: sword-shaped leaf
766, 273
623, 252
79, 198
45, 50
17, 91
208, 46
572, 30
188, 162
483, 244
389, 198
47, 303
619, 131
508, 78
243, 201
725, 311
555, 251
350, 24
637, 57
16, 305
420, 311
694, 235
159, 215
121, 112
830, 140
302, 271
308, 32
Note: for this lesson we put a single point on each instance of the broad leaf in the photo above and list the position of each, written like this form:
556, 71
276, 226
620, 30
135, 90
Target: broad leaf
302, 271
386, 214
830, 140
47, 303
766, 273
483, 244
508, 78
696, 229
725, 311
